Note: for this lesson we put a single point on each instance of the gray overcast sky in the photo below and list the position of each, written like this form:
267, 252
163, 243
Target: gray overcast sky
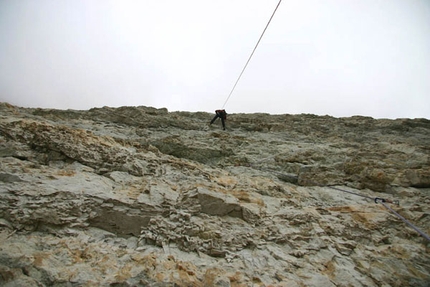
334, 57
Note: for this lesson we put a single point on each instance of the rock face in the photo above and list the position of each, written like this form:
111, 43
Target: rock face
137, 196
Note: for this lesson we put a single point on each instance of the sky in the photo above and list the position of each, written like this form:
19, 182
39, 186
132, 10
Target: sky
326, 57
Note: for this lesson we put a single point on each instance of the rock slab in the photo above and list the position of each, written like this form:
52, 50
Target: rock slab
138, 196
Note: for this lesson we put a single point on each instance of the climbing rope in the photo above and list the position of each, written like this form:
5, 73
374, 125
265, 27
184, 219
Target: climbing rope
231, 92
384, 202
377, 200
406, 221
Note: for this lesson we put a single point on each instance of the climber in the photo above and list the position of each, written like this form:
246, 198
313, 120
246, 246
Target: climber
222, 115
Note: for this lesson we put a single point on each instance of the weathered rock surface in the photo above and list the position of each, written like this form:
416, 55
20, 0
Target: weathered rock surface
137, 196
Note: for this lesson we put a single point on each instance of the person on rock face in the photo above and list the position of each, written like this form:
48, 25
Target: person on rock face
222, 115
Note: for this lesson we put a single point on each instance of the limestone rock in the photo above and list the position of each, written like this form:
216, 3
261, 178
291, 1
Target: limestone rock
138, 196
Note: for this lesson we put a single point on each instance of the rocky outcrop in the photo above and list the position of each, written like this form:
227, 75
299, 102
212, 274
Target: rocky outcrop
138, 196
